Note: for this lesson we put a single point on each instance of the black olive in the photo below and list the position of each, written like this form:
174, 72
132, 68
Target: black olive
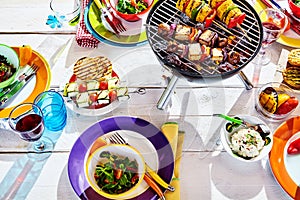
229, 127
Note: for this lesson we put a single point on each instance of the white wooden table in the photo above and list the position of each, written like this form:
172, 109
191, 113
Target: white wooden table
207, 171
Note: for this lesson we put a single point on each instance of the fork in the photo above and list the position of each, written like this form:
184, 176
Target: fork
116, 138
117, 22
33, 69
108, 14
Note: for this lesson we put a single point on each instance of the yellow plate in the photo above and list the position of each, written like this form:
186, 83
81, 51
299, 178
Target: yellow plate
281, 135
43, 78
285, 40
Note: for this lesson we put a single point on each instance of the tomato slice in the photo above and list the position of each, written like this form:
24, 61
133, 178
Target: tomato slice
133, 3
294, 147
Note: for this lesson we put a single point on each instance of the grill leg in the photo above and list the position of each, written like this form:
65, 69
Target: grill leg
166, 95
245, 80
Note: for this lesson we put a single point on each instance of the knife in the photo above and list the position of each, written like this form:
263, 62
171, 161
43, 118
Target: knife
16, 89
295, 25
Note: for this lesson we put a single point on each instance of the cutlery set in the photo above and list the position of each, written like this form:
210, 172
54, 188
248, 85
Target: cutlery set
10, 92
109, 16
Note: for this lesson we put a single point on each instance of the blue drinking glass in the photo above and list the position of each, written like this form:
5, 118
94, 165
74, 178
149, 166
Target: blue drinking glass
54, 110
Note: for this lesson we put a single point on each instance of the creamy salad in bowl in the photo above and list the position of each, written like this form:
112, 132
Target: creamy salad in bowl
244, 142
247, 143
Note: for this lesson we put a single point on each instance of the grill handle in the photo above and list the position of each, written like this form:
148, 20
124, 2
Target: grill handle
165, 97
245, 80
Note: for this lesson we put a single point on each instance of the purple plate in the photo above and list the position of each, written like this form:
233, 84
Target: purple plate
87, 138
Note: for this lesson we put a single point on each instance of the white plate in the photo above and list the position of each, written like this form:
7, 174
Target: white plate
93, 112
292, 162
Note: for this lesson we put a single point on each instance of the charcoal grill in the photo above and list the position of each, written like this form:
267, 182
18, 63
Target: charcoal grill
247, 40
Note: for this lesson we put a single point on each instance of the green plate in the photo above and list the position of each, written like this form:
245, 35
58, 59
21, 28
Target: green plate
133, 36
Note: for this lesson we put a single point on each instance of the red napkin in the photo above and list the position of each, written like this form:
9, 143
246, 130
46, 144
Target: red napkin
83, 37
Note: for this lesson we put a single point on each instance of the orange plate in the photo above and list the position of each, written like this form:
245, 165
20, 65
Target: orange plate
43, 78
276, 156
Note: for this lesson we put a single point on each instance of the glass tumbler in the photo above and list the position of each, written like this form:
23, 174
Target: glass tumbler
53, 108
66, 11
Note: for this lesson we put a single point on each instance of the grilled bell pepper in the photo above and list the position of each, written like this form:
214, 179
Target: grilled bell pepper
287, 106
210, 18
294, 147
233, 22
196, 10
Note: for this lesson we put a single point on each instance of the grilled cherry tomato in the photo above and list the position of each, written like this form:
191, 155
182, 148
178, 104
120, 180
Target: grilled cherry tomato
287, 106
103, 85
294, 147
93, 97
82, 87
236, 20
210, 18
112, 95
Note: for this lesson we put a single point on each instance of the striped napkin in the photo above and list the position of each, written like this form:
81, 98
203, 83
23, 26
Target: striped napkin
83, 37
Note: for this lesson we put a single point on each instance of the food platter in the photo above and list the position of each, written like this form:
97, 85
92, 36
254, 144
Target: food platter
38, 84
278, 158
289, 38
117, 72
150, 141
134, 35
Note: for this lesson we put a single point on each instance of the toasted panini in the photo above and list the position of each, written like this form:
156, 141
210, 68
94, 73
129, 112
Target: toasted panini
95, 68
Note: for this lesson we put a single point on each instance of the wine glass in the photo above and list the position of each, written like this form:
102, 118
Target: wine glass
27, 120
274, 23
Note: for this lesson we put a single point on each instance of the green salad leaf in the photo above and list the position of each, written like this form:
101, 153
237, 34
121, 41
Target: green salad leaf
117, 175
131, 7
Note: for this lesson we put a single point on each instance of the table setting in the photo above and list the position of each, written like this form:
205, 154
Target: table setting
173, 103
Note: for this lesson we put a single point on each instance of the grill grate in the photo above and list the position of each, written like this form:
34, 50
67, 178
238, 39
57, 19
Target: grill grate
165, 11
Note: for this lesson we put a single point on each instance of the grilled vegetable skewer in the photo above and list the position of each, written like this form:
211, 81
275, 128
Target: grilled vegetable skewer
200, 11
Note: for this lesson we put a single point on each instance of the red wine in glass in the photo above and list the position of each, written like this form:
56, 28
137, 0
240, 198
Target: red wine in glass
30, 127
271, 33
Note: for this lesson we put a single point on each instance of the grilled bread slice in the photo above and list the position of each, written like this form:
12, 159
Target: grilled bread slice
294, 57
291, 76
96, 68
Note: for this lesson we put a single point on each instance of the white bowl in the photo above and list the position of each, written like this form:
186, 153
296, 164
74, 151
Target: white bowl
226, 139
122, 151
278, 88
